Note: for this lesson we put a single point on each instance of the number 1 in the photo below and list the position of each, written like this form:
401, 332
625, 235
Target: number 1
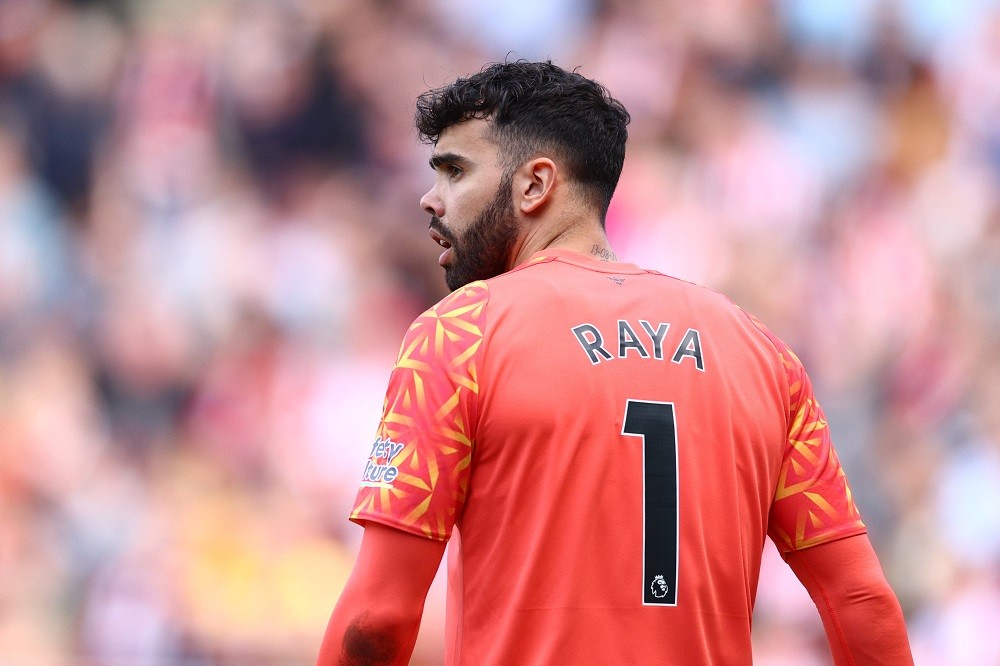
654, 422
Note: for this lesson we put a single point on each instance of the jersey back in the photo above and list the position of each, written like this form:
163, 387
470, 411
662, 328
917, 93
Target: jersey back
612, 445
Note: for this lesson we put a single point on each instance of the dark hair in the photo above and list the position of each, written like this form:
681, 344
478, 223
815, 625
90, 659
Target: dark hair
538, 106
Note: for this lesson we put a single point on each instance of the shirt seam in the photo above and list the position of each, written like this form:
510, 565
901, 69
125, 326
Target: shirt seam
783, 371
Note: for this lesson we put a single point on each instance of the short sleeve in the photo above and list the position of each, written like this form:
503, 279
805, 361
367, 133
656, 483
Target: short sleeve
812, 502
417, 473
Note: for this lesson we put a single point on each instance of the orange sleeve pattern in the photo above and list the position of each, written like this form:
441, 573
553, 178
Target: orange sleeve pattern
813, 502
417, 473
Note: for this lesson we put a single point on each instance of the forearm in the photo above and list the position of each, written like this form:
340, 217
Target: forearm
862, 618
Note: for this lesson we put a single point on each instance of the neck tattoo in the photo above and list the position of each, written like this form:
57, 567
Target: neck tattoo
603, 253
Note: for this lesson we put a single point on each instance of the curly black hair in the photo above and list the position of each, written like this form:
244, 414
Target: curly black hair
538, 107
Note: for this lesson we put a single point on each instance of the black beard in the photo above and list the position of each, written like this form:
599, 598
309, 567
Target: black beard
485, 247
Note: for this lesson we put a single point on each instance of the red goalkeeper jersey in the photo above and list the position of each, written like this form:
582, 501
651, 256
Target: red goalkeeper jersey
609, 447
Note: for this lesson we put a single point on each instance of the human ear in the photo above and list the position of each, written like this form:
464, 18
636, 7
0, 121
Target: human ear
534, 184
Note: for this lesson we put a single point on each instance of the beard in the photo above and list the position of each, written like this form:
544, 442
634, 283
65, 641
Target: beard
484, 249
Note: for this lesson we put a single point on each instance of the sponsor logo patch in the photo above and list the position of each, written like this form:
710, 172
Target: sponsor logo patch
379, 470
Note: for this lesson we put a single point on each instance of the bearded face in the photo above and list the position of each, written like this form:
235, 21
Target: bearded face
484, 248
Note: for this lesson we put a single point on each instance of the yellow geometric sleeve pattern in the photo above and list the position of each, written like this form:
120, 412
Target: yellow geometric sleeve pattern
812, 502
417, 473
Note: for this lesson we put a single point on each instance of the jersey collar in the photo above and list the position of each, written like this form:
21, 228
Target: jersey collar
579, 259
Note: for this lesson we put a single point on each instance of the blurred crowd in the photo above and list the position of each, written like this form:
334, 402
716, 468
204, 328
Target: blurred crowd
210, 247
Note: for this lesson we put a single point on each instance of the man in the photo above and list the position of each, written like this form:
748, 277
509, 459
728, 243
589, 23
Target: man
605, 446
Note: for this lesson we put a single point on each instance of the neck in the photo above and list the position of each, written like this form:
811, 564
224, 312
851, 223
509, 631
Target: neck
583, 236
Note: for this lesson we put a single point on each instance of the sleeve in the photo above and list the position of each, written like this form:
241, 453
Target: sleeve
812, 502
862, 618
366, 621
417, 473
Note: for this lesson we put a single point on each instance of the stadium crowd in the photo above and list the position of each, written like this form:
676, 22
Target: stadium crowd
210, 247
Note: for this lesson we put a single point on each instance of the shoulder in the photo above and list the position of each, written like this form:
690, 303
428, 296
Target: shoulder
453, 324
465, 303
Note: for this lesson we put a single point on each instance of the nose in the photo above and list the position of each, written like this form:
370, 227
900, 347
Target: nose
431, 203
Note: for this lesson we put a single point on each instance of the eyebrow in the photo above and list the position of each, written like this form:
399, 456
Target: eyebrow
439, 160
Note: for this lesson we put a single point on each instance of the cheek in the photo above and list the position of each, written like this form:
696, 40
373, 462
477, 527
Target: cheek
464, 208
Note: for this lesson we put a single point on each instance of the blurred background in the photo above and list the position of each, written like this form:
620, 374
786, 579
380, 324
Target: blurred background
210, 247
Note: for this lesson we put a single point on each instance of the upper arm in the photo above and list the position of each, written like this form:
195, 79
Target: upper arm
395, 564
812, 502
417, 475
848, 566
862, 618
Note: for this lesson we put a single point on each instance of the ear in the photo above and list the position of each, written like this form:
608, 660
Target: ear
534, 184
